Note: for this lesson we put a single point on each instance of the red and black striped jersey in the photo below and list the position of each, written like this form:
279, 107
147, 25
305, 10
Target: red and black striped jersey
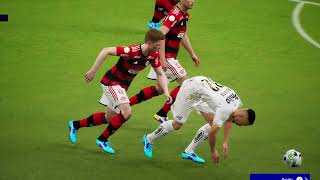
131, 61
163, 7
176, 21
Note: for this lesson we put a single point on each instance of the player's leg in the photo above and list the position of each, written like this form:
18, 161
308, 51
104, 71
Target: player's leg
118, 102
115, 123
177, 72
200, 137
145, 94
157, 15
164, 129
182, 109
95, 119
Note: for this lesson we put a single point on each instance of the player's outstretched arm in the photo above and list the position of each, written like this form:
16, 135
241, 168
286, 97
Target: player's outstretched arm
89, 76
227, 132
163, 61
162, 79
187, 45
212, 141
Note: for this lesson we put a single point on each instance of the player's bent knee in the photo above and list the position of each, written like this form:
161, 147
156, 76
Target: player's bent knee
125, 110
127, 114
180, 80
176, 125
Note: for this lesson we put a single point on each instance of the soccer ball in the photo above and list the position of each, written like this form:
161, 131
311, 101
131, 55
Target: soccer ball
293, 158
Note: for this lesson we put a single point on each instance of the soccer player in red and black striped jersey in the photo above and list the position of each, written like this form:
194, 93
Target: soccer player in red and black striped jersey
174, 28
161, 9
116, 82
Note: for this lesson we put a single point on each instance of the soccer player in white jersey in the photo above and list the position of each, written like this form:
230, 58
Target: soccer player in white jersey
219, 106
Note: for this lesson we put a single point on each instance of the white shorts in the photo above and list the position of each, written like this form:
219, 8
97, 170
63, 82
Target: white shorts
186, 102
173, 72
112, 96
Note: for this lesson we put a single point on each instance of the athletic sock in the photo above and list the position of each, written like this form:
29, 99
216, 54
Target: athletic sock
200, 137
115, 123
144, 95
163, 112
93, 120
162, 130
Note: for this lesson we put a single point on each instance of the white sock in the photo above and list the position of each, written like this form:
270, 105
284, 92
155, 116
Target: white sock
162, 130
200, 137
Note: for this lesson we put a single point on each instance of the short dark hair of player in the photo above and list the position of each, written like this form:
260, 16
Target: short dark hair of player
251, 116
153, 35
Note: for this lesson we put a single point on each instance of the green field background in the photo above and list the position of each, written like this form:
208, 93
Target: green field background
250, 46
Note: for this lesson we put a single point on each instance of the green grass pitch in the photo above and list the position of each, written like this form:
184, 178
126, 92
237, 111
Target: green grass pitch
250, 46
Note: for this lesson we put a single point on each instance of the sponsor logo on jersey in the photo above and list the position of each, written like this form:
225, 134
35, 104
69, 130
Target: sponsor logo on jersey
232, 97
180, 35
132, 71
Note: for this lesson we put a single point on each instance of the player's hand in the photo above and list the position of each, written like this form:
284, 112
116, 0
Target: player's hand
225, 150
215, 156
169, 99
89, 76
196, 60
164, 66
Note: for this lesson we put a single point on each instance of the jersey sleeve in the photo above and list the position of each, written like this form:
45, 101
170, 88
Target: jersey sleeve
156, 63
123, 51
221, 116
170, 20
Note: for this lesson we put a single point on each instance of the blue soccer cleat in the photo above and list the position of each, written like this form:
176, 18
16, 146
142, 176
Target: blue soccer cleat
152, 25
147, 147
158, 25
193, 157
105, 146
72, 133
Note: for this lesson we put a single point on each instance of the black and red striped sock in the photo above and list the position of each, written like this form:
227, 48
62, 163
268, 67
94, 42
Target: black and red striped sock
115, 123
163, 112
143, 95
93, 120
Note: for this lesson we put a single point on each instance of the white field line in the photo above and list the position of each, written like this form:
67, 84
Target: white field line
296, 21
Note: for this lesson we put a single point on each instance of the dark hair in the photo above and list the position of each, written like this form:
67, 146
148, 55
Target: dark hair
153, 35
251, 116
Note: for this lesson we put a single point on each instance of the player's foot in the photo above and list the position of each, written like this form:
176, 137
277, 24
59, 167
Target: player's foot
152, 25
72, 132
158, 25
193, 157
147, 147
105, 146
160, 118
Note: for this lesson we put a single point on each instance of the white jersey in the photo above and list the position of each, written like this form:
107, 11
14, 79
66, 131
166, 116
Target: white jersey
205, 95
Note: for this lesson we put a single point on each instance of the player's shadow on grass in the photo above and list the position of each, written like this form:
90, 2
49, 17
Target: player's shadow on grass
122, 159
